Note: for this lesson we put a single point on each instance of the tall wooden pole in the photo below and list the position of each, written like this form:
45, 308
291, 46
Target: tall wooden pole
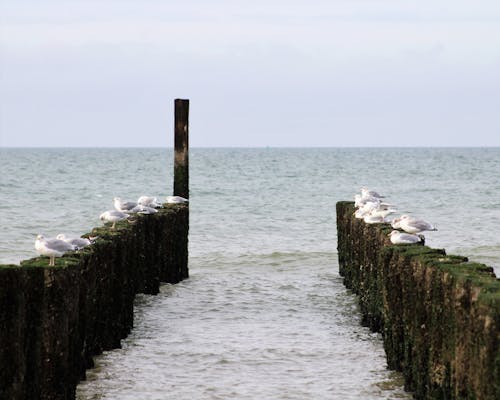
181, 146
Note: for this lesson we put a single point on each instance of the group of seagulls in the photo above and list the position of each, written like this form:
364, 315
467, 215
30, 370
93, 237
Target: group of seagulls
123, 209
373, 210
56, 247
144, 205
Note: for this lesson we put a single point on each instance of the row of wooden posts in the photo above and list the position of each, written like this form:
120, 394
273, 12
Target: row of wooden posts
53, 321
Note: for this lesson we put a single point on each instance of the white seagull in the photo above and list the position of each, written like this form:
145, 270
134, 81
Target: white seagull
123, 206
360, 213
143, 209
78, 243
360, 201
382, 212
396, 223
375, 219
52, 248
148, 201
369, 193
415, 225
113, 216
176, 200
403, 238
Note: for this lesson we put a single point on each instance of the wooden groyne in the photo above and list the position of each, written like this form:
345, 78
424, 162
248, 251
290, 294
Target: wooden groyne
439, 314
53, 320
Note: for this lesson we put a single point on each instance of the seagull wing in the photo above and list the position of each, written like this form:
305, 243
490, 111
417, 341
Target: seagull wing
59, 245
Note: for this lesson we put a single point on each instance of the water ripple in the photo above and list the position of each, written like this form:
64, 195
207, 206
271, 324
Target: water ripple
223, 334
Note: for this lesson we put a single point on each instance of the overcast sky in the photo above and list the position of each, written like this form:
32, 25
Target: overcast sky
257, 73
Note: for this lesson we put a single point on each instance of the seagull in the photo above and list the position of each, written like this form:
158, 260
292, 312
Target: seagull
403, 238
369, 206
365, 209
359, 213
123, 206
148, 201
113, 216
374, 219
382, 212
396, 223
143, 209
369, 193
52, 248
176, 200
415, 225
360, 201
78, 243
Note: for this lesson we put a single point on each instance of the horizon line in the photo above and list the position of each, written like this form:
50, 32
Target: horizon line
257, 147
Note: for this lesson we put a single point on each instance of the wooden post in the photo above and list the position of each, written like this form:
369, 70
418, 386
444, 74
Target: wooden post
181, 146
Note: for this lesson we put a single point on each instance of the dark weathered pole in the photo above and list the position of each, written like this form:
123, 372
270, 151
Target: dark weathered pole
181, 146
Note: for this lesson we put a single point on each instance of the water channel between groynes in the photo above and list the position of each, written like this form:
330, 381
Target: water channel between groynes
276, 326
264, 313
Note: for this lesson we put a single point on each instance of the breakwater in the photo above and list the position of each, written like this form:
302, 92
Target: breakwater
53, 320
439, 314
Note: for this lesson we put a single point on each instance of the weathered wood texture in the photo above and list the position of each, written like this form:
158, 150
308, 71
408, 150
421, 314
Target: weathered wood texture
53, 320
439, 314
181, 147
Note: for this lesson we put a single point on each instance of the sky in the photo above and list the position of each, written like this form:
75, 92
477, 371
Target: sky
257, 73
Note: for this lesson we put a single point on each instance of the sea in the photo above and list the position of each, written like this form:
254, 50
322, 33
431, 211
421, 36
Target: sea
264, 314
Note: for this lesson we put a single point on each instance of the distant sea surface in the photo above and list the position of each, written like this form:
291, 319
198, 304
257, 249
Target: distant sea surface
264, 313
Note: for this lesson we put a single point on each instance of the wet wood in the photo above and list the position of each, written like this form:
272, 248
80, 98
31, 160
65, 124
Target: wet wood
181, 147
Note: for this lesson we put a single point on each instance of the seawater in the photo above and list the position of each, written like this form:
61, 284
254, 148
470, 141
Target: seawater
264, 313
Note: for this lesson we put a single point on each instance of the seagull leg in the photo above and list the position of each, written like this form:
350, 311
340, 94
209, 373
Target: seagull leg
113, 226
52, 261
